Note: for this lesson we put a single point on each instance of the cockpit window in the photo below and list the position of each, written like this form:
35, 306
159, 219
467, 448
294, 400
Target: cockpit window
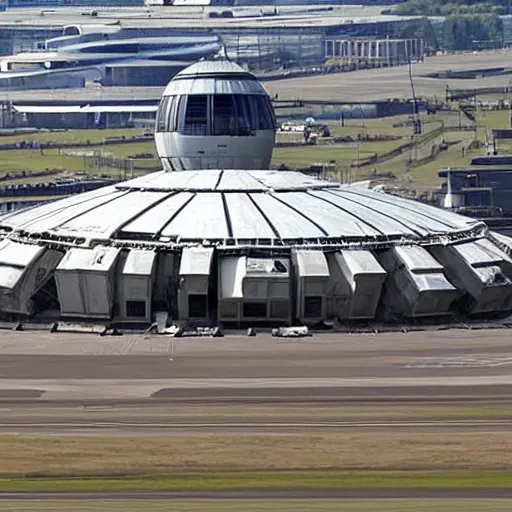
161, 117
238, 115
224, 117
196, 115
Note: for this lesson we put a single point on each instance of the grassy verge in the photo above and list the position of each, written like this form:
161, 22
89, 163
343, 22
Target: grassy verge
323, 479
343, 155
253, 413
72, 136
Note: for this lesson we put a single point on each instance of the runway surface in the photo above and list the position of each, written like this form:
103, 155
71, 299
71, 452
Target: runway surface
435, 383
316, 494
426, 365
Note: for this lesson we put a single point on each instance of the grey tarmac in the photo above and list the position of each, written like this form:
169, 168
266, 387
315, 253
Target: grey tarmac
415, 366
265, 494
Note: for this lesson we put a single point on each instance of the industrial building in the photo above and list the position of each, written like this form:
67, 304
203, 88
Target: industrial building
374, 52
84, 117
148, 61
236, 245
70, 46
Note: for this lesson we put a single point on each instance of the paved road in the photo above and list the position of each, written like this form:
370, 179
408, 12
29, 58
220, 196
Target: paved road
267, 494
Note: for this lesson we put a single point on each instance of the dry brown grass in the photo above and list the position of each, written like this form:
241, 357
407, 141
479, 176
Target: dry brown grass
327, 505
167, 454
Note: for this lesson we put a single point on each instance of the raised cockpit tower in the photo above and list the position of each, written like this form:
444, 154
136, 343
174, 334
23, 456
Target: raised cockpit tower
215, 115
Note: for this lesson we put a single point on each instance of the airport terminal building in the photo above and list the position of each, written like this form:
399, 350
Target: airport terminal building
215, 238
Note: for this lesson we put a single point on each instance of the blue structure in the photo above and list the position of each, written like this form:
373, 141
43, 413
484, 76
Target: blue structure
478, 190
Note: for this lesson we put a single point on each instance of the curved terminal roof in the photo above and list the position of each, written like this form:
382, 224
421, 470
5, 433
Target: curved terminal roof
238, 208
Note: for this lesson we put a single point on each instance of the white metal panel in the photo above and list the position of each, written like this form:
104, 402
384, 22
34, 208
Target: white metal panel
52, 222
224, 180
191, 2
47, 109
287, 222
385, 225
213, 86
196, 261
332, 220
362, 262
232, 273
107, 218
504, 240
417, 258
151, 180
202, 218
22, 218
200, 180
99, 259
432, 213
417, 222
239, 180
311, 264
139, 262
14, 260
212, 66
491, 275
247, 222
279, 180
152, 221
183, 180
479, 253
431, 282
118, 108
18, 255
10, 276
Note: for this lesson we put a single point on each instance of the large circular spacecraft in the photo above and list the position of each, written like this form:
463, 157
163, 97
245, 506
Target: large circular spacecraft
214, 240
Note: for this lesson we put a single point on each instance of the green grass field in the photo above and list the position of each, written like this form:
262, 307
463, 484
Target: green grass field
345, 156
218, 480
72, 136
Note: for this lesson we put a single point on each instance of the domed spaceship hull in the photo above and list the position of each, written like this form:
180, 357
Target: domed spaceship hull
247, 247
242, 246
215, 115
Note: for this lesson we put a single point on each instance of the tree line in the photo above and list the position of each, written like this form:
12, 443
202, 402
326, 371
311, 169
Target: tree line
468, 25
